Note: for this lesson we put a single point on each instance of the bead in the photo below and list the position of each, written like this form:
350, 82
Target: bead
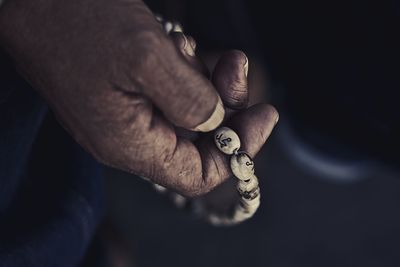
242, 166
255, 202
252, 208
241, 215
179, 200
160, 188
217, 220
227, 140
247, 185
252, 194
177, 27
168, 26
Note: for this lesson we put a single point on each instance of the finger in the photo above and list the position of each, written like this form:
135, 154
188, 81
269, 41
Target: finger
230, 79
194, 170
192, 42
182, 93
264, 115
183, 44
253, 125
186, 45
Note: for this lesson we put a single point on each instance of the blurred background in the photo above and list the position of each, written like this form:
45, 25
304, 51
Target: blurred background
329, 173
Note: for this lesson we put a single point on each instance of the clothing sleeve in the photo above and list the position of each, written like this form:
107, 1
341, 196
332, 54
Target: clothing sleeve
51, 191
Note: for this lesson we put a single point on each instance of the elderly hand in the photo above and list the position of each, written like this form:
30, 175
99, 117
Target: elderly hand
119, 85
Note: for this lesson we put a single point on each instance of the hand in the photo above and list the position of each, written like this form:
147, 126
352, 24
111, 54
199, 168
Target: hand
118, 84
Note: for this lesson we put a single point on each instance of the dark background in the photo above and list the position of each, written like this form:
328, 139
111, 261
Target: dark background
329, 173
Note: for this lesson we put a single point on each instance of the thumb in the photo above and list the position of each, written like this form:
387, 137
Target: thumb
182, 93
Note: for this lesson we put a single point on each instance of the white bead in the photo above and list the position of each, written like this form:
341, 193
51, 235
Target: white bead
242, 166
168, 26
160, 188
255, 202
251, 195
227, 140
252, 208
241, 215
177, 27
248, 185
180, 201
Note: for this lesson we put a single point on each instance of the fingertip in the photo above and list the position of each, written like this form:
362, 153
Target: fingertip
238, 55
230, 79
214, 120
238, 58
266, 116
271, 113
254, 125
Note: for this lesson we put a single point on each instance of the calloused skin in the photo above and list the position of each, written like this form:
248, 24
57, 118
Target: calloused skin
120, 86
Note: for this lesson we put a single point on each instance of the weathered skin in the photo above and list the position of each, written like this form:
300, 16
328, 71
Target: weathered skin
119, 85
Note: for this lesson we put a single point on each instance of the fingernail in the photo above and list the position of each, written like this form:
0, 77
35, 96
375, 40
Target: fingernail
277, 119
190, 51
215, 119
246, 66
189, 48
192, 43
186, 42
177, 27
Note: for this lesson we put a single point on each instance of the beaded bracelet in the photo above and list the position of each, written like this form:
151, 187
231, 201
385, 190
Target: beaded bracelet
242, 167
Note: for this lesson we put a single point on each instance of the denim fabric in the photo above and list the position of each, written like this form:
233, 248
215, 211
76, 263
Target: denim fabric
51, 191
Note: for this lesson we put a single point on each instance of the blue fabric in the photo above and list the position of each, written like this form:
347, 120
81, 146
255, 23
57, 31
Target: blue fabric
51, 191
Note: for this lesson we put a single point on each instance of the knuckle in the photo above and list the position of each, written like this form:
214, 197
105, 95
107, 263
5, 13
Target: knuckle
166, 155
236, 96
148, 46
238, 92
238, 85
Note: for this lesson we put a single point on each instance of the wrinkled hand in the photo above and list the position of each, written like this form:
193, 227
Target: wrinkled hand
119, 85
